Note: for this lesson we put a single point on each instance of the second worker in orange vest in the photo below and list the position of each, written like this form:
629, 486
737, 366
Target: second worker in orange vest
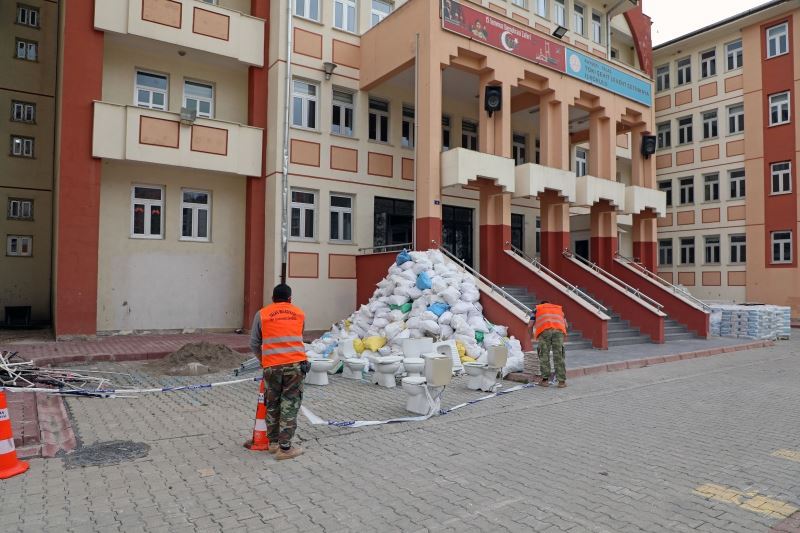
549, 327
277, 336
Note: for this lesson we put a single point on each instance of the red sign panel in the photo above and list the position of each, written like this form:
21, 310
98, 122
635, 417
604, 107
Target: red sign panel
499, 34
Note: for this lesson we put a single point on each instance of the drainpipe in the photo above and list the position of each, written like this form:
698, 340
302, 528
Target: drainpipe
285, 176
416, 139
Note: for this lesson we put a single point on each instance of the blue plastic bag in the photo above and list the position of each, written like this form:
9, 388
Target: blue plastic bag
438, 308
403, 257
423, 281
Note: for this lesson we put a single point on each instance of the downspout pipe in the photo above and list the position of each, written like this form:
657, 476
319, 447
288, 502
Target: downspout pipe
285, 168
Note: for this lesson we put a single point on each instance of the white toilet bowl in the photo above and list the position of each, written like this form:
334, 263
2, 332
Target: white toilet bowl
414, 366
353, 368
318, 374
386, 368
474, 375
417, 398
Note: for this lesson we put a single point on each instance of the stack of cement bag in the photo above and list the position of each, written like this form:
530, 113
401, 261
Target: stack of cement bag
423, 295
763, 322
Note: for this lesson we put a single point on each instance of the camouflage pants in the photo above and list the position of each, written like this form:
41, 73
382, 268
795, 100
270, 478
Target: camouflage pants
284, 393
552, 340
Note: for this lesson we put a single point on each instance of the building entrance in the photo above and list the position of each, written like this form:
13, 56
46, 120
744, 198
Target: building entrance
394, 222
457, 231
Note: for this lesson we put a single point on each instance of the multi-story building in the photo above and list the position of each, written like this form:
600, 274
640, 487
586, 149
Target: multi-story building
29, 40
727, 143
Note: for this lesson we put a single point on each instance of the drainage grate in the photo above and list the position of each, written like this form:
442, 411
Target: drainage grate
106, 454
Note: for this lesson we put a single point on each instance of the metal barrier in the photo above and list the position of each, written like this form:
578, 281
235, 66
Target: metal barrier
681, 293
387, 248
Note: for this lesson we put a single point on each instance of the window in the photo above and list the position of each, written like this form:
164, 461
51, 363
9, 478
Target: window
687, 191
307, 8
781, 246
712, 250
27, 16
518, 151
779, 109
518, 231
579, 23
27, 50
147, 210
538, 153
541, 7
344, 15
151, 90
666, 188
711, 187
781, 177
212, 2
20, 209
614, 53
303, 211
738, 249
195, 215
560, 13
469, 135
304, 104
777, 40
407, 137
19, 245
538, 235
685, 130
519, 3
737, 181
597, 27
23, 111
708, 64
380, 10
662, 78
734, 53
687, 251
684, 71
445, 133
22, 146
199, 97
378, 120
341, 218
663, 135
665, 252
581, 158
342, 116
735, 119
710, 124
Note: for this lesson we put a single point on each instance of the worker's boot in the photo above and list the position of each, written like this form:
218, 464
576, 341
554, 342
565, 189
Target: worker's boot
273, 447
562, 384
544, 383
291, 453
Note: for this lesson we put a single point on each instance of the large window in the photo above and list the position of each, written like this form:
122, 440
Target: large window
738, 184
666, 188
342, 113
712, 256
779, 109
378, 120
303, 214
685, 135
22, 146
581, 162
345, 13
778, 40
663, 135
541, 8
687, 191
710, 124
469, 135
781, 177
445, 133
711, 182
19, 245
781, 246
151, 90
23, 112
195, 215
684, 71
380, 10
27, 16
560, 13
687, 250
518, 231
341, 218
662, 78
20, 209
579, 25
147, 207
735, 119
199, 97
665, 252
518, 150
407, 133
597, 27
307, 8
304, 104
738, 249
733, 51
708, 63
393, 221
27, 50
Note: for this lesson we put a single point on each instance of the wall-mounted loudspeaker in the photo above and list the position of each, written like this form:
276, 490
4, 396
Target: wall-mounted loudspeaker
493, 99
648, 145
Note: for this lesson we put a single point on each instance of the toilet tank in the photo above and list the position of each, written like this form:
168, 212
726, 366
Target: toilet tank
417, 347
438, 371
497, 356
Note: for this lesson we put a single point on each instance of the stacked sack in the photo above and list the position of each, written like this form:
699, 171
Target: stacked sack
751, 321
423, 295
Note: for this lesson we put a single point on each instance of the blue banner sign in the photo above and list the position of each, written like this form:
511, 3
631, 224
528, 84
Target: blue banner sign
607, 77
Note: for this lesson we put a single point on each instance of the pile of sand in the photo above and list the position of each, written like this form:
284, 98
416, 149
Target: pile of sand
198, 358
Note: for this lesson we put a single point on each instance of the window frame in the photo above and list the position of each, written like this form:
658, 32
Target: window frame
212, 107
734, 57
581, 163
380, 131
685, 131
378, 13
712, 244
683, 70
710, 124
20, 239
663, 74
341, 211
407, 141
711, 184
782, 243
666, 248
151, 90
24, 108
688, 245
783, 37
470, 135
306, 7
342, 112
737, 119
519, 145
28, 45
737, 251
708, 65
346, 4
148, 203
24, 141
576, 16
560, 8
664, 135
665, 186
738, 183
543, 13
303, 207
195, 208
686, 185
781, 108
596, 27
30, 10
306, 100
447, 128
20, 202
784, 176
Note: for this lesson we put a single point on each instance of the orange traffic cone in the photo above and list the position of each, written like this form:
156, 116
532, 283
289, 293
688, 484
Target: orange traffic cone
260, 440
9, 464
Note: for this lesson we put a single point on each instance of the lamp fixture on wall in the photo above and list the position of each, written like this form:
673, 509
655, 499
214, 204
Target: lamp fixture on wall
329, 68
560, 32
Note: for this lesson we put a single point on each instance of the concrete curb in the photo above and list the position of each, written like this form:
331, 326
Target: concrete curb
524, 377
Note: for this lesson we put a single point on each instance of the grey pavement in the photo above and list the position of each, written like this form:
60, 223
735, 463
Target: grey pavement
637, 450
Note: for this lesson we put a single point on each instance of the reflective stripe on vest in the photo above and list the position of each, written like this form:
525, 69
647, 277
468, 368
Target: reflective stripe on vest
282, 335
549, 316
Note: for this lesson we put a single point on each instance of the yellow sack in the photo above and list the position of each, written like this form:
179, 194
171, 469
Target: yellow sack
462, 351
468, 359
358, 345
347, 325
374, 344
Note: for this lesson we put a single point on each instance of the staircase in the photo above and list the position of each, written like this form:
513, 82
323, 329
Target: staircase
675, 331
620, 332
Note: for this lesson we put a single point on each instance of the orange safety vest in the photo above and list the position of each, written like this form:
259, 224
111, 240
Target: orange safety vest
282, 335
549, 316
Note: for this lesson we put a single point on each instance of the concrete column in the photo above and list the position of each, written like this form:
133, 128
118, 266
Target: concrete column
554, 132
604, 234
645, 243
638, 161
602, 146
429, 148
554, 213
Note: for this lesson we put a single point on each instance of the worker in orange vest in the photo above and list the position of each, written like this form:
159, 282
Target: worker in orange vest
277, 336
549, 326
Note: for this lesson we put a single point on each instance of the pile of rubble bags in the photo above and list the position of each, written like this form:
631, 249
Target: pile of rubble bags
763, 322
423, 295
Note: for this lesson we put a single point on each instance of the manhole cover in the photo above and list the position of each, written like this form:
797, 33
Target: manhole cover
106, 453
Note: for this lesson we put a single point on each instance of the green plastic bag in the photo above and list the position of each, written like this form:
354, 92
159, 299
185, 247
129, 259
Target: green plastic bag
479, 337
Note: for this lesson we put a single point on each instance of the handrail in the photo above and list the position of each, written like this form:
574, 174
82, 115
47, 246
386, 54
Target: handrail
631, 289
570, 287
493, 286
385, 246
658, 279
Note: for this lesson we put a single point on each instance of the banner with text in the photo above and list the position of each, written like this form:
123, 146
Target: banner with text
613, 79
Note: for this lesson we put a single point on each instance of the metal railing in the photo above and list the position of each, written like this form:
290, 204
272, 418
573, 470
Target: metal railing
574, 289
682, 293
387, 248
493, 286
637, 293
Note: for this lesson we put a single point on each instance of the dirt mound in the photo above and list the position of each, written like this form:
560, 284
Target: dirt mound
198, 358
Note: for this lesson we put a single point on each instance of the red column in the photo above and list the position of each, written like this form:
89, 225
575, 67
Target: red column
644, 240
78, 197
604, 234
255, 208
555, 229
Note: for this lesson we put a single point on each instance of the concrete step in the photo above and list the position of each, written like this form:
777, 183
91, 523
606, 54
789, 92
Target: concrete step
581, 345
679, 336
628, 341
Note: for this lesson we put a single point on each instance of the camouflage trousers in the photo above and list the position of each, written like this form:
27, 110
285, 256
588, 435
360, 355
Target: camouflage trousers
552, 340
284, 393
